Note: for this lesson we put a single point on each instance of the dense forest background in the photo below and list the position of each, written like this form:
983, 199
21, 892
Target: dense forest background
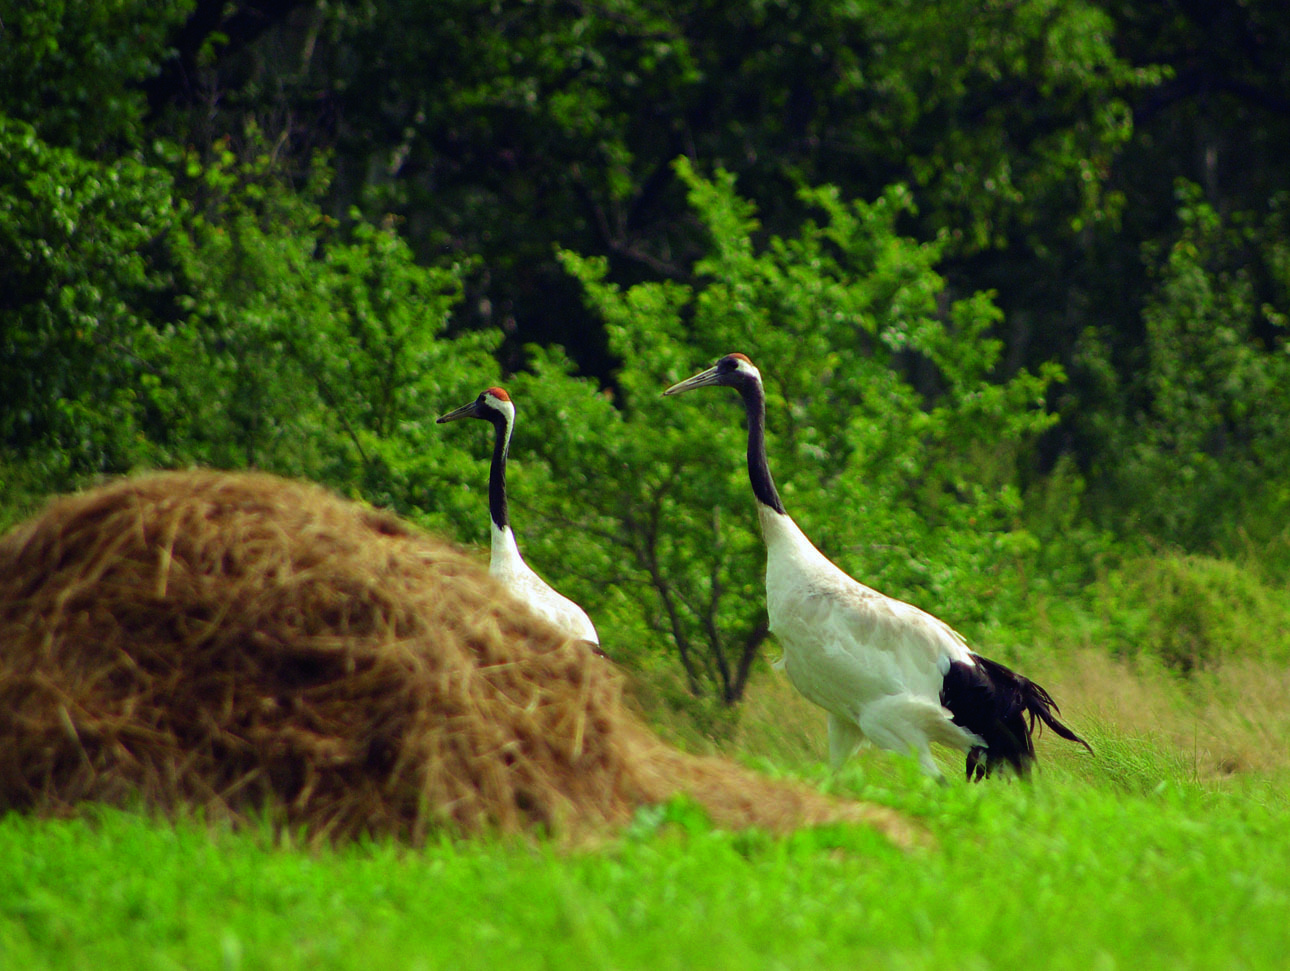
1017, 274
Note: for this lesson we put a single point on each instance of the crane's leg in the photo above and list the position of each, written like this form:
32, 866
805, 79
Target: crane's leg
907, 724
929, 766
844, 738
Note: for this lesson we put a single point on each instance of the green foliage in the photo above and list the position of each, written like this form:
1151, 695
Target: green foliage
1014, 119
22, 491
499, 133
1209, 439
1191, 612
894, 442
240, 327
230, 303
313, 349
71, 68
78, 344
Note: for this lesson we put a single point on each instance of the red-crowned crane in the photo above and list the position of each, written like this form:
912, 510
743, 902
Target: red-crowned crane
884, 670
505, 563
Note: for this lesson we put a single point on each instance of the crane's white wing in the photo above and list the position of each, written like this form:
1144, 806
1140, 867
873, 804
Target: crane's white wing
556, 608
868, 659
506, 564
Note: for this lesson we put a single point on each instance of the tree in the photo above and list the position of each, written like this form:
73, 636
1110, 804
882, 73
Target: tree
495, 129
77, 343
72, 68
1202, 446
841, 316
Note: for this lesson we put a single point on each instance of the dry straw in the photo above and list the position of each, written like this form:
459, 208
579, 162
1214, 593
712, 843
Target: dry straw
240, 645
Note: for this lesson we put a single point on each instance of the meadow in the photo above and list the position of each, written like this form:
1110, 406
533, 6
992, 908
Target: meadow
1159, 852
1017, 275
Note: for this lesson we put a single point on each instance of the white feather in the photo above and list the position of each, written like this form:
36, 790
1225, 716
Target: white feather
875, 664
506, 564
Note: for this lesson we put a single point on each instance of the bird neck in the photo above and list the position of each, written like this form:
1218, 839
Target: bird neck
497, 507
504, 558
763, 486
789, 554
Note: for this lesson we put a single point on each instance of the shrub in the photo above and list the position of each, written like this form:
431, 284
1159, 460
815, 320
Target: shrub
1192, 612
894, 439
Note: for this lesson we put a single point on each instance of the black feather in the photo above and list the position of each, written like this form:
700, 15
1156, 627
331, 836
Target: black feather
995, 702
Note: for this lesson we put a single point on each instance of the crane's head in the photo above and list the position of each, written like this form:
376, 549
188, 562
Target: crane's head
491, 405
733, 370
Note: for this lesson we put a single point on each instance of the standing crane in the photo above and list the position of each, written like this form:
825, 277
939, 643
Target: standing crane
884, 670
505, 563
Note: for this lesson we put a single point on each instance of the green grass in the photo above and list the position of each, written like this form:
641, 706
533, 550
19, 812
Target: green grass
1122, 863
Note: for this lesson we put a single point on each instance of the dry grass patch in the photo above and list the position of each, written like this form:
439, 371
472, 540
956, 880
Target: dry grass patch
1227, 720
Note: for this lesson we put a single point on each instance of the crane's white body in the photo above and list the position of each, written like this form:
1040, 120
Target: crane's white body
508, 566
875, 664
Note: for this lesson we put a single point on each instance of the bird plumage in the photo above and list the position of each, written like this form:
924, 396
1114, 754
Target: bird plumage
505, 563
884, 670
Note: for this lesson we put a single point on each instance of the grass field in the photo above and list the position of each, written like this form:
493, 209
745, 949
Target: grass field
1152, 855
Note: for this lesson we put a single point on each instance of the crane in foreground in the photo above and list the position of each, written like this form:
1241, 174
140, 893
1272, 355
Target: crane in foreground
884, 670
505, 563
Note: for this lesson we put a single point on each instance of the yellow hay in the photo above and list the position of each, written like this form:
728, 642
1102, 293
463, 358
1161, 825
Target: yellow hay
239, 644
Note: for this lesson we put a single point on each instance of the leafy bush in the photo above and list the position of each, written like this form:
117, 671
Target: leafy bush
72, 68
326, 342
1203, 446
894, 441
217, 317
1191, 612
78, 343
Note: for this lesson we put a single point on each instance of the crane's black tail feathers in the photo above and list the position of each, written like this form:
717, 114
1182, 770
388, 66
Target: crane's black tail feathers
995, 702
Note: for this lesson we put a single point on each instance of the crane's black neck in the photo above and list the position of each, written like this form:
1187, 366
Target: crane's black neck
763, 486
497, 508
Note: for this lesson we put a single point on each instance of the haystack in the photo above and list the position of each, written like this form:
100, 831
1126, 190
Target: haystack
244, 646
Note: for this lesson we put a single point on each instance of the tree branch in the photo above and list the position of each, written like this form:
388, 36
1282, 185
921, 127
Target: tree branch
647, 556
747, 655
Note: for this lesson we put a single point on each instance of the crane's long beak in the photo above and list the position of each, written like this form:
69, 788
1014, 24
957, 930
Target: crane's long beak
465, 411
701, 380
